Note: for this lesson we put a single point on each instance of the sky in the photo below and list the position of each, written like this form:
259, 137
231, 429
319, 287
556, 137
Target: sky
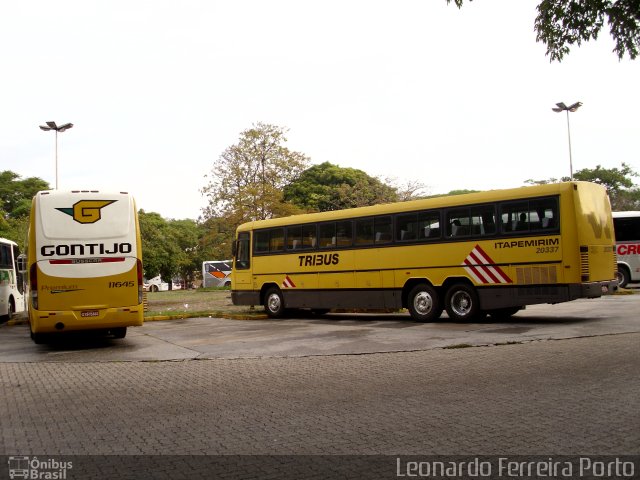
411, 90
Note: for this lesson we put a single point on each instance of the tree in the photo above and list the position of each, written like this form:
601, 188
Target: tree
159, 251
326, 187
247, 179
215, 239
562, 23
185, 237
618, 182
16, 194
15, 204
623, 193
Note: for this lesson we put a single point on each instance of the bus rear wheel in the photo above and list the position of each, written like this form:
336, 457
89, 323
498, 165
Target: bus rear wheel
462, 302
623, 277
38, 338
119, 332
424, 303
274, 303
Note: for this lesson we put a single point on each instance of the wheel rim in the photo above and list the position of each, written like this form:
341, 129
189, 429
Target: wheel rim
619, 277
273, 302
461, 303
423, 303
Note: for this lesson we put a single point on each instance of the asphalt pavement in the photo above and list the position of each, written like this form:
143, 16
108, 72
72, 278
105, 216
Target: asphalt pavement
333, 334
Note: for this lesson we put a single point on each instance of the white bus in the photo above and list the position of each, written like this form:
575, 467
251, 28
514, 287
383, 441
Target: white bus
85, 263
627, 228
11, 280
216, 273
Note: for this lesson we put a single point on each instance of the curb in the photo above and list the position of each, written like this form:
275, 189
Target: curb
230, 316
179, 316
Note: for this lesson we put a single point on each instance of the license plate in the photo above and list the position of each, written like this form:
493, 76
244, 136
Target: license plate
89, 313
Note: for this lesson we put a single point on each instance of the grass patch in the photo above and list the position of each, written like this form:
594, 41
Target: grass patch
199, 302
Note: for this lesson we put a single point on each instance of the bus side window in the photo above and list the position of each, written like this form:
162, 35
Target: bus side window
458, 223
406, 227
309, 235
276, 241
294, 238
364, 231
261, 241
327, 235
514, 216
546, 210
344, 233
5, 256
382, 229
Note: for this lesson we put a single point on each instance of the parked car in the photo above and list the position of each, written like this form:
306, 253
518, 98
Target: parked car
155, 285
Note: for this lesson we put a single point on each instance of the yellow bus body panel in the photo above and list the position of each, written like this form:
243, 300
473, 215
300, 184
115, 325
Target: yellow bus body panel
576, 258
79, 285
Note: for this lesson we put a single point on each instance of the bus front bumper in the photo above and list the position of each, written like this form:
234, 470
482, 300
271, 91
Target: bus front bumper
240, 297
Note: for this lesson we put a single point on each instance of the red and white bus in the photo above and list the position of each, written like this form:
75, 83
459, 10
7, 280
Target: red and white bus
627, 228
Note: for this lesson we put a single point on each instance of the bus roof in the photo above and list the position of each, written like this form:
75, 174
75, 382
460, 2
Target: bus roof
422, 204
84, 214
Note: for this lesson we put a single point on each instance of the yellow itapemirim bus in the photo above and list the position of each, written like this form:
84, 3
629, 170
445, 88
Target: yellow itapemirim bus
85, 263
491, 252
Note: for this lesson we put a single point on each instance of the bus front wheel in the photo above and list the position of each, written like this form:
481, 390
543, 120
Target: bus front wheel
424, 303
274, 303
462, 302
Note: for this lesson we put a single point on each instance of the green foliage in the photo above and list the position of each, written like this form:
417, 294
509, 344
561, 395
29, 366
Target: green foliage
158, 249
563, 23
247, 179
15, 204
16, 194
330, 187
623, 193
172, 248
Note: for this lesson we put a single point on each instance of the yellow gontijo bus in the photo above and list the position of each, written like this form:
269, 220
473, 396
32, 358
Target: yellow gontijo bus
490, 252
85, 263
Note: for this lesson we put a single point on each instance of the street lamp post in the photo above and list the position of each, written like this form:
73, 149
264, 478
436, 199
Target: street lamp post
561, 107
61, 128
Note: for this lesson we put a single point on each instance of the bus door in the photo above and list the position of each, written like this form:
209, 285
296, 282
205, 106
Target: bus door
242, 262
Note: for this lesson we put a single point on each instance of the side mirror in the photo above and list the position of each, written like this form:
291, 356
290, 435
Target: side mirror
22, 263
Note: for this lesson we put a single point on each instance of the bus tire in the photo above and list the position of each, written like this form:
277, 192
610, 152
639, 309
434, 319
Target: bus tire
623, 276
274, 302
119, 332
424, 303
12, 309
38, 338
462, 302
